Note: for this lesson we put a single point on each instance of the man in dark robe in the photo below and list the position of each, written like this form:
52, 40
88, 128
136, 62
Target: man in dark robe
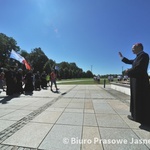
29, 82
43, 80
19, 88
139, 85
37, 84
10, 76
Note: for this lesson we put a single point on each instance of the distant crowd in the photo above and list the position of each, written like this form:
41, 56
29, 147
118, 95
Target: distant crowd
13, 81
97, 79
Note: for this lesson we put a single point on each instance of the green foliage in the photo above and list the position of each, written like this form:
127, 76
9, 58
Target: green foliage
70, 70
89, 74
6, 45
49, 65
38, 59
25, 54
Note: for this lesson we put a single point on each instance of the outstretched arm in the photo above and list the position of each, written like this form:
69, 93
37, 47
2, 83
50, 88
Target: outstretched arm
124, 59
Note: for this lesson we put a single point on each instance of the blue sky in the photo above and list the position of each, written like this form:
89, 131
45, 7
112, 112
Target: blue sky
87, 32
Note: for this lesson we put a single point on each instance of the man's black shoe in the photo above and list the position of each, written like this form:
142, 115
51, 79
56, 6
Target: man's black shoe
130, 117
145, 127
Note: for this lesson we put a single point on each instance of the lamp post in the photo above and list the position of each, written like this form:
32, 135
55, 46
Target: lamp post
122, 70
91, 67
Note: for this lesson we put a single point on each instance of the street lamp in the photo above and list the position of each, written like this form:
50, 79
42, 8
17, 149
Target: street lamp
91, 67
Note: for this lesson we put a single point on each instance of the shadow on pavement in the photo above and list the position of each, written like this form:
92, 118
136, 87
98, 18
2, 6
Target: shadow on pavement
6, 99
64, 93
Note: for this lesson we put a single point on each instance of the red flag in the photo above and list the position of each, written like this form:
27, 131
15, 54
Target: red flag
26, 64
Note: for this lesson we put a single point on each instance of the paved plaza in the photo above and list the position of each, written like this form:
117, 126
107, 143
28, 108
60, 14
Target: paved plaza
78, 117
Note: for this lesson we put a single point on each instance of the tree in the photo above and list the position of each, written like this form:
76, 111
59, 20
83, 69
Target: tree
89, 74
6, 45
66, 73
25, 54
70, 70
38, 59
49, 65
123, 72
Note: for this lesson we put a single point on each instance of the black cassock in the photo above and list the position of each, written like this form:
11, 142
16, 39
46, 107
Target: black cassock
139, 86
10, 76
29, 82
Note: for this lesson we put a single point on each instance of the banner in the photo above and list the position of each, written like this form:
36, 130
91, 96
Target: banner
57, 68
16, 56
19, 58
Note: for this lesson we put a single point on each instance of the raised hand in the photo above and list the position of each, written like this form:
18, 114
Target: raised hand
120, 54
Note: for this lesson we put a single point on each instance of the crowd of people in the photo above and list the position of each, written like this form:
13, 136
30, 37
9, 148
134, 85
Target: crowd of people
97, 79
14, 81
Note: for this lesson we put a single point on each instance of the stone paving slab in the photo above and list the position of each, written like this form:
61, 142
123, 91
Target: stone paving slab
120, 139
103, 108
90, 120
30, 135
5, 111
60, 138
76, 105
90, 135
131, 124
55, 109
75, 110
143, 135
47, 117
5, 123
89, 111
110, 120
119, 107
71, 119
78, 117
16, 115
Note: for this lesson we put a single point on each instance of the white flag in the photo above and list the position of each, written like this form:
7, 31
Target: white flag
16, 56
21, 59
56, 68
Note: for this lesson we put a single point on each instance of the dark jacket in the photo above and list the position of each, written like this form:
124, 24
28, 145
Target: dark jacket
139, 85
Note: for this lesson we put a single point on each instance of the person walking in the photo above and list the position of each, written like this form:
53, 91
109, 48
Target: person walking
53, 80
139, 85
